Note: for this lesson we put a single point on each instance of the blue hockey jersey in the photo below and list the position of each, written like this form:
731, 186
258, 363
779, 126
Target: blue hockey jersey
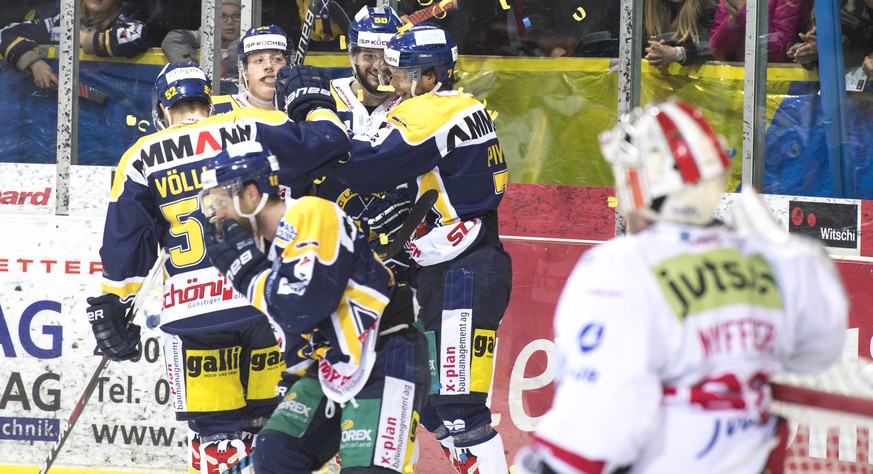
444, 141
328, 286
154, 201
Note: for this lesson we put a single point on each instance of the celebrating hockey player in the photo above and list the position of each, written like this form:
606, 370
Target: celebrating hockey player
262, 51
223, 362
367, 374
445, 140
667, 336
363, 107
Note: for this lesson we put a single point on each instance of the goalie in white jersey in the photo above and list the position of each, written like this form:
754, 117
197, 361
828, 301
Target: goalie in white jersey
666, 338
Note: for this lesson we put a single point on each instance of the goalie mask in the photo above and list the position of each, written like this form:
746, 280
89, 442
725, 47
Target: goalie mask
176, 83
230, 171
420, 49
368, 35
668, 163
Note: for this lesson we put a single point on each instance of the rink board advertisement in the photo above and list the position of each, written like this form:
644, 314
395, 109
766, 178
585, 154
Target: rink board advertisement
49, 265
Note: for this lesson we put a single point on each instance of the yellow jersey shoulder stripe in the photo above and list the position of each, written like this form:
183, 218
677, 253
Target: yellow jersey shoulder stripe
320, 115
316, 225
340, 105
415, 117
225, 99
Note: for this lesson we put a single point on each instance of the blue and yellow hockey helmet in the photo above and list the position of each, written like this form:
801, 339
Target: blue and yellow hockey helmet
422, 48
373, 28
228, 172
176, 83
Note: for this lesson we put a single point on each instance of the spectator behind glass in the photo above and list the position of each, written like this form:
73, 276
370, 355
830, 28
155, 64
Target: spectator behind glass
109, 28
587, 28
856, 23
729, 29
179, 45
678, 31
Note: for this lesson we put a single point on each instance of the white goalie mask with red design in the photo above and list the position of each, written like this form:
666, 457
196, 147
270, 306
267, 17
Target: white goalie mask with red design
668, 163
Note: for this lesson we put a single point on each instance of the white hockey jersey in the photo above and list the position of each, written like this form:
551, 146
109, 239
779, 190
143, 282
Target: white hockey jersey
360, 121
354, 113
665, 342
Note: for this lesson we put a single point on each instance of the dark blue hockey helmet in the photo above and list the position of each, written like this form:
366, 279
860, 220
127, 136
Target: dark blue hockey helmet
227, 173
177, 83
422, 48
373, 28
264, 38
368, 35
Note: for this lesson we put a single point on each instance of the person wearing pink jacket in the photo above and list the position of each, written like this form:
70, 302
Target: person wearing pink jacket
727, 39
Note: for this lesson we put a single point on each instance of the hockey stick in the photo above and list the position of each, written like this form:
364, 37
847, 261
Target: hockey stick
339, 15
425, 14
417, 214
810, 397
91, 94
306, 31
95, 378
86, 93
242, 464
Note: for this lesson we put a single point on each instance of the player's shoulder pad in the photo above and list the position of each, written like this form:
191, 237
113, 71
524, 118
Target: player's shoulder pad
316, 212
422, 117
314, 204
314, 223
270, 117
224, 103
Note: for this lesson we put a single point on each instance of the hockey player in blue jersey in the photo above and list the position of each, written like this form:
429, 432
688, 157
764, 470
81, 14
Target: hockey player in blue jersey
445, 140
363, 107
109, 28
360, 102
318, 279
261, 52
154, 202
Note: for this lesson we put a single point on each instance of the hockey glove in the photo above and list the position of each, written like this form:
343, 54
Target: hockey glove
385, 217
301, 89
234, 253
397, 263
108, 318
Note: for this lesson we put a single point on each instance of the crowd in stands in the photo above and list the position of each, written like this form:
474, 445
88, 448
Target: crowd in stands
680, 31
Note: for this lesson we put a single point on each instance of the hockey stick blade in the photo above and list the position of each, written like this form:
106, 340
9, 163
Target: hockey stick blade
425, 14
417, 214
91, 94
339, 16
104, 362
